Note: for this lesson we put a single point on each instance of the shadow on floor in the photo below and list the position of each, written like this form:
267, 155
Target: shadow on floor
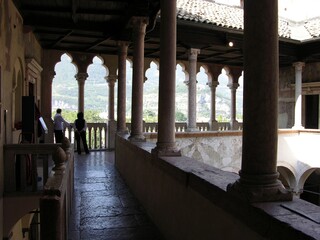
103, 207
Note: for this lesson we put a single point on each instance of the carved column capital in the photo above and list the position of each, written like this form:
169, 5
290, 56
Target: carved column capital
139, 24
81, 77
193, 53
233, 86
111, 79
213, 84
122, 47
298, 65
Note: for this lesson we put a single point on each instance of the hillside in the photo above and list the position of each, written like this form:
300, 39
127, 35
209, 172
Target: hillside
65, 92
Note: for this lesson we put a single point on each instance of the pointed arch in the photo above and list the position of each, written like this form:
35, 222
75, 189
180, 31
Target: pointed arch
181, 93
129, 72
96, 85
64, 84
203, 95
239, 99
223, 96
151, 90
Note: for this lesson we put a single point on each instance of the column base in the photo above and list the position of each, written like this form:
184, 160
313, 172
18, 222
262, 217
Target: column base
252, 190
122, 132
297, 127
192, 129
166, 151
137, 138
214, 126
234, 124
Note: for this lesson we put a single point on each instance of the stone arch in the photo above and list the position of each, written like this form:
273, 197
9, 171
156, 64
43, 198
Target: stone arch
239, 99
151, 90
304, 177
68, 55
182, 77
287, 177
223, 96
64, 83
311, 186
154, 65
203, 95
98, 74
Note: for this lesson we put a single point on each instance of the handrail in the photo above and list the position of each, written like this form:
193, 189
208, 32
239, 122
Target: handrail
97, 135
21, 162
55, 164
55, 204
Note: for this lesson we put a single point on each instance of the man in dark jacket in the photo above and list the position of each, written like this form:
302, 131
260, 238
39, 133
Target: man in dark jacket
80, 127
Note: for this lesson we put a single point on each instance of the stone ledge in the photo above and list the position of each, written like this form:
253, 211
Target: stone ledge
193, 183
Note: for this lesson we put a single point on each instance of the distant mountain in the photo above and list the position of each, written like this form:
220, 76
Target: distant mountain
65, 92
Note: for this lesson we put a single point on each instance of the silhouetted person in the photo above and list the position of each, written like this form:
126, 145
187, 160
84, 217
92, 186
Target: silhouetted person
59, 125
80, 127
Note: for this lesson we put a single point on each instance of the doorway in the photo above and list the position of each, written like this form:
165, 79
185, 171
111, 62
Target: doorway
312, 111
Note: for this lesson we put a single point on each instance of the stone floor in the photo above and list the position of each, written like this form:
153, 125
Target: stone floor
103, 206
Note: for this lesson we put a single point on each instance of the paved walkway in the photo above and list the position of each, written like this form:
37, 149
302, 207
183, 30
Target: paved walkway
103, 207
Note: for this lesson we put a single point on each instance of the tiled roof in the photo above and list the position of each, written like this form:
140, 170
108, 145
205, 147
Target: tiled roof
313, 27
209, 12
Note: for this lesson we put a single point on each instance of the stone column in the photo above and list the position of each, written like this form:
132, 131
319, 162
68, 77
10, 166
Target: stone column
139, 31
46, 93
166, 145
81, 78
111, 81
111, 122
298, 95
235, 74
192, 90
121, 107
258, 175
233, 122
213, 122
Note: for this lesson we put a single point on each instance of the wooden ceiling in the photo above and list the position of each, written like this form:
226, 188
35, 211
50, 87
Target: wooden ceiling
95, 26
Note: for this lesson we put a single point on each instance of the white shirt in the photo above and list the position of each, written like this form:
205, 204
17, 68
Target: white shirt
59, 122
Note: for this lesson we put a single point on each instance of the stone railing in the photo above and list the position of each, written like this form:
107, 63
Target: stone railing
182, 126
55, 203
39, 176
96, 136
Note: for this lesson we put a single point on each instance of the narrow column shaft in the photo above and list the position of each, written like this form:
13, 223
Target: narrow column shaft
121, 106
139, 30
258, 175
233, 88
81, 78
192, 90
111, 81
235, 74
298, 95
213, 122
167, 85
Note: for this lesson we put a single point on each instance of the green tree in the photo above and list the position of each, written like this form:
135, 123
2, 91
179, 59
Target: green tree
91, 116
180, 117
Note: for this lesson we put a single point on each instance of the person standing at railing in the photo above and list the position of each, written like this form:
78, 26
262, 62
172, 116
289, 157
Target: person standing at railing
80, 128
59, 124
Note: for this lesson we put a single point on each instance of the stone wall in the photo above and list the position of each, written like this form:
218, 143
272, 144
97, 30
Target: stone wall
188, 200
